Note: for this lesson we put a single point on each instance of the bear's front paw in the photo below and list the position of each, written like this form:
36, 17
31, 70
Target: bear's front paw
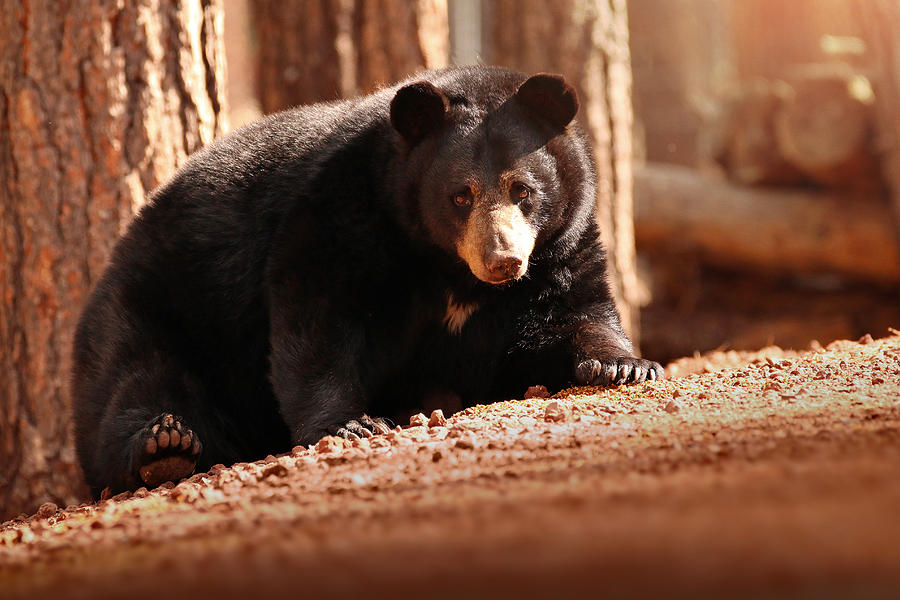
365, 426
616, 371
166, 451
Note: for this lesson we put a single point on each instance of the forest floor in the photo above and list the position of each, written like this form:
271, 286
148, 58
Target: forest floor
772, 474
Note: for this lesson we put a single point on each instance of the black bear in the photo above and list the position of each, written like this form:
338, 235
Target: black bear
349, 259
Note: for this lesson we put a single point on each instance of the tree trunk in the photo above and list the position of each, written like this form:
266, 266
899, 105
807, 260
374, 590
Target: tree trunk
329, 49
99, 102
587, 41
881, 19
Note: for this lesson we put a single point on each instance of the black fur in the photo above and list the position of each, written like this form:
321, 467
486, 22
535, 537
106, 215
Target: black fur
294, 276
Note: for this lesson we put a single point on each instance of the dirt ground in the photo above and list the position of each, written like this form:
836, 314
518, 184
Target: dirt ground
775, 474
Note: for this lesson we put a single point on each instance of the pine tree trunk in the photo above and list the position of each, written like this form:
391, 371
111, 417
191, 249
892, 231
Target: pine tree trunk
328, 49
587, 41
99, 102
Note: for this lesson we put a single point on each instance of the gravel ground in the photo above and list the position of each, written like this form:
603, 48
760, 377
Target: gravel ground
774, 474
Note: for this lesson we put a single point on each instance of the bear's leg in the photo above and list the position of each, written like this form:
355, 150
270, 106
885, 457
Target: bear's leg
147, 434
318, 365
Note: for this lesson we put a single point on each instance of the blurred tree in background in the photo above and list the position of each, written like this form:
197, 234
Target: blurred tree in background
317, 51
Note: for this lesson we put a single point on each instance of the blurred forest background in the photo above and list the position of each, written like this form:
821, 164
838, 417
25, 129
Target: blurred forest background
748, 149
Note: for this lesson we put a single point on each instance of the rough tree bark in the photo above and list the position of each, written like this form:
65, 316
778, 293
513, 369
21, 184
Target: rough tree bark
329, 49
881, 20
99, 102
587, 41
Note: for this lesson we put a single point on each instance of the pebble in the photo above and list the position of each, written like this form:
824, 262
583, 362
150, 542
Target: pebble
47, 509
274, 470
866, 339
537, 391
186, 492
418, 420
554, 412
329, 443
437, 419
465, 444
671, 407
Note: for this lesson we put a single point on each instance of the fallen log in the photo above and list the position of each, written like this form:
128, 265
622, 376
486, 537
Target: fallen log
824, 129
769, 230
743, 141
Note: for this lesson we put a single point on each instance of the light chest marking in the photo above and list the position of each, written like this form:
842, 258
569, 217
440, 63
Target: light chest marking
457, 314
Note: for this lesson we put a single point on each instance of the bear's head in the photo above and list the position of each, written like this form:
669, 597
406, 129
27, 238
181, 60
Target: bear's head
492, 168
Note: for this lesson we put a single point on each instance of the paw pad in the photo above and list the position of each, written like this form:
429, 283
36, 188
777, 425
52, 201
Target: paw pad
168, 451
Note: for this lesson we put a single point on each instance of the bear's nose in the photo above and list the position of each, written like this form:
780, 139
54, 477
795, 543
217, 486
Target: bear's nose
503, 266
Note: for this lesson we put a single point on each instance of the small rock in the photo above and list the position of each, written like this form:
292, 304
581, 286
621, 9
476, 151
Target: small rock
866, 339
537, 391
465, 444
671, 407
185, 492
328, 444
274, 470
47, 509
418, 420
437, 419
877, 380
554, 412
436, 456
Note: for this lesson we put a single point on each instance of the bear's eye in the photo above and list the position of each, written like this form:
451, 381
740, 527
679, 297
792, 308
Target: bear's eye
519, 192
463, 198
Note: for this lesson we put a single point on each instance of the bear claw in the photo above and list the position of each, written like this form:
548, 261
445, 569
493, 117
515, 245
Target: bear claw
617, 371
365, 426
169, 451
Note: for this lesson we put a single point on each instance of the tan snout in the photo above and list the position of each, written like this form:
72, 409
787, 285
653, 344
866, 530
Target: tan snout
497, 243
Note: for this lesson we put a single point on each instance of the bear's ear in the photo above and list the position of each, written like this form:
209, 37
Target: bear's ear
549, 97
417, 109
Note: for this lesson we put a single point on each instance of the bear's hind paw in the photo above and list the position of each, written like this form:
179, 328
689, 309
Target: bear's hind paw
168, 451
